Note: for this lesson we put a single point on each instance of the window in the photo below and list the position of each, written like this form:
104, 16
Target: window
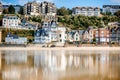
59, 35
60, 40
76, 38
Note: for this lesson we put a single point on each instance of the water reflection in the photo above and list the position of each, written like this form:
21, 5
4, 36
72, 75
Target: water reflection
59, 65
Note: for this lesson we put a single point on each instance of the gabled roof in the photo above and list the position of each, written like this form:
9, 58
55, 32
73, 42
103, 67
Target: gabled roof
11, 17
81, 32
40, 32
12, 35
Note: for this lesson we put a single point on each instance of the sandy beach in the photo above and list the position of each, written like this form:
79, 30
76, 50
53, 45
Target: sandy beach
60, 48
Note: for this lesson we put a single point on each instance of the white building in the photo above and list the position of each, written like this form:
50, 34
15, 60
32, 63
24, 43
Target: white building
14, 39
10, 22
32, 8
75, 35
61, 36
86, 11
111, 8
47, 34
50, 33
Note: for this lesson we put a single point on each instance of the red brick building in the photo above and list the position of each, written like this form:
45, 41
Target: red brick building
102, 35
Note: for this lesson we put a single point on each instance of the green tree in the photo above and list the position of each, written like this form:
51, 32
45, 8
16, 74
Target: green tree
108, 13
11, 9
21, 11
118, 13
69, 11
62, 11
35, 19
5, 11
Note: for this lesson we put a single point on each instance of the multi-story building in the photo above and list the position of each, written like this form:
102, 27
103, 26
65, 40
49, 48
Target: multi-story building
114, 28
16, 7
10, 22
75, 36
1, 8
47, 34
61, 36
88, 35
111, 8
115, 35
14, 39
32, 8
47, 7
86, 11
36, 8
102, 35
50, 33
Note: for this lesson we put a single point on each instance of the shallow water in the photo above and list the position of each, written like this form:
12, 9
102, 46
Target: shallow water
59, 65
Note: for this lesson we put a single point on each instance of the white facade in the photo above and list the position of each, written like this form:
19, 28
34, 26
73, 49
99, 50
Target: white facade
61, 38
111, 8
14, 39
86, 11
10, 22
11, 40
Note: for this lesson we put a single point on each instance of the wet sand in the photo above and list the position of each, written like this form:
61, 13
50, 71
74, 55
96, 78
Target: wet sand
60, 48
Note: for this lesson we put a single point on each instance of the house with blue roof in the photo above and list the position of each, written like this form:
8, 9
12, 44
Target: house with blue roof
115, 34
75, 35
41, 36
88, 34
47, 34
14, 39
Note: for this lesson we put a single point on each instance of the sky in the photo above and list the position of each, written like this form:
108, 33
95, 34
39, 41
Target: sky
68, 3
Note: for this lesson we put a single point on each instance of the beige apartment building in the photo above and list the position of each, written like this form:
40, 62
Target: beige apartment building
86, 11
32, 8
36, 8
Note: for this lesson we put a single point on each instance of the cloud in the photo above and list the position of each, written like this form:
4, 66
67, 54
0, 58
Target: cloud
22, 2
116, 1
45, 0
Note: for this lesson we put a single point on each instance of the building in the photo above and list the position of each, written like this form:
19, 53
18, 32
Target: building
17, 7
115, 35
88, 35
1, 8
14, 39
113, 24
81, 35
41, 36
114, 28
48, 8
50, 33
10, 22
86, 11
47, 34
36, 8
62, 36
102, 35
111, 8
32, 8
75, 36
